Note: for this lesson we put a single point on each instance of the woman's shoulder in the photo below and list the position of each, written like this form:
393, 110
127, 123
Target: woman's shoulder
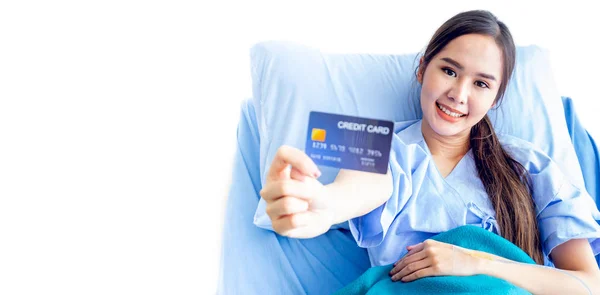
408, 132
514, 142
408, 148
524, 151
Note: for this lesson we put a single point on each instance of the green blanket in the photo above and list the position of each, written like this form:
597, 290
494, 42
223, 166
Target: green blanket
377, 281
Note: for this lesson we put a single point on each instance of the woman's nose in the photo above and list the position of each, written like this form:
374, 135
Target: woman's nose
459, 92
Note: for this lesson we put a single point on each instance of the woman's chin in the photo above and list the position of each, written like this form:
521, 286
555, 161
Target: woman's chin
446, 132
444, 128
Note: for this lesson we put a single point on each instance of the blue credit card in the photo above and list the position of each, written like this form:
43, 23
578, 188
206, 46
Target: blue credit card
349, 142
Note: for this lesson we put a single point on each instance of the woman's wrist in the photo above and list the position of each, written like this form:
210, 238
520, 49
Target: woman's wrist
337, 211
484, 262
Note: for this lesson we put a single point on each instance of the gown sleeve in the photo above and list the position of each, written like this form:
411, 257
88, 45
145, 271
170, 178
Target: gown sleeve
564, 211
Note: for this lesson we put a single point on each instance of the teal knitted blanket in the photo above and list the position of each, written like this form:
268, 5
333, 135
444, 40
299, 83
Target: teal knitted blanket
377, 281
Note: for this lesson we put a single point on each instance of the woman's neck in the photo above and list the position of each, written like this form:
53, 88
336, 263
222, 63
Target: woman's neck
449, 147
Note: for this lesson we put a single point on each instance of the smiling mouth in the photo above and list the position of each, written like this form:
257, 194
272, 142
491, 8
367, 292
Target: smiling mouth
449, 112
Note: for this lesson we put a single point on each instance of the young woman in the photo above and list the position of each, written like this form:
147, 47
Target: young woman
451, 169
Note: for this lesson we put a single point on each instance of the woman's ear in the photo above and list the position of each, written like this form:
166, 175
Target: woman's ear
420, 71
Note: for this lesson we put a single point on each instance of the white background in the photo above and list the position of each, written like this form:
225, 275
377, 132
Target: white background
118, 122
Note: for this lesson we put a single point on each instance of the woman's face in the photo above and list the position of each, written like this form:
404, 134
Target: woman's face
460, 84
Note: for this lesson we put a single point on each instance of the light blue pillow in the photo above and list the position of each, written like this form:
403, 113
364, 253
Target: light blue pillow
290, 80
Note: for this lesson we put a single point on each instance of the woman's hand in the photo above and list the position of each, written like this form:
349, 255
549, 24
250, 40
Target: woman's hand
433, 258
296, 200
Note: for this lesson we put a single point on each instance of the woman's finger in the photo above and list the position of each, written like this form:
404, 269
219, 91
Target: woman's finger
422, 273
411, 268
285, 206
297, 175
286, 156
287, 224
407, 260
412, 250
287, 187
417, 247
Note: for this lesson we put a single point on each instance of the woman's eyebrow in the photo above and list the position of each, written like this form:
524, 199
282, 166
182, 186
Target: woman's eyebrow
460, 67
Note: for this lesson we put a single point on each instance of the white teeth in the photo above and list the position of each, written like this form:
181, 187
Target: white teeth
448, 112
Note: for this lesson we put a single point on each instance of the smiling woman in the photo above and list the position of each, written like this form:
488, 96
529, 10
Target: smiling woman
289, 80
458, 72
451, 162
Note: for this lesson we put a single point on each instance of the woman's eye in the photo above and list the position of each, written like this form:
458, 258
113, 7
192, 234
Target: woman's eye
481, 84
449, 72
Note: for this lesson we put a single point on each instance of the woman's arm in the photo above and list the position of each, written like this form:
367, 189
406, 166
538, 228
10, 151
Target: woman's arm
576, 267
356, 193
578, 272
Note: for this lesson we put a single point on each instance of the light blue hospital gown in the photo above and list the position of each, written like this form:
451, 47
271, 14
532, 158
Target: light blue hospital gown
424, 203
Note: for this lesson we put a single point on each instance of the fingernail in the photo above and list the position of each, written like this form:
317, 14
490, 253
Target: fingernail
317, 174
